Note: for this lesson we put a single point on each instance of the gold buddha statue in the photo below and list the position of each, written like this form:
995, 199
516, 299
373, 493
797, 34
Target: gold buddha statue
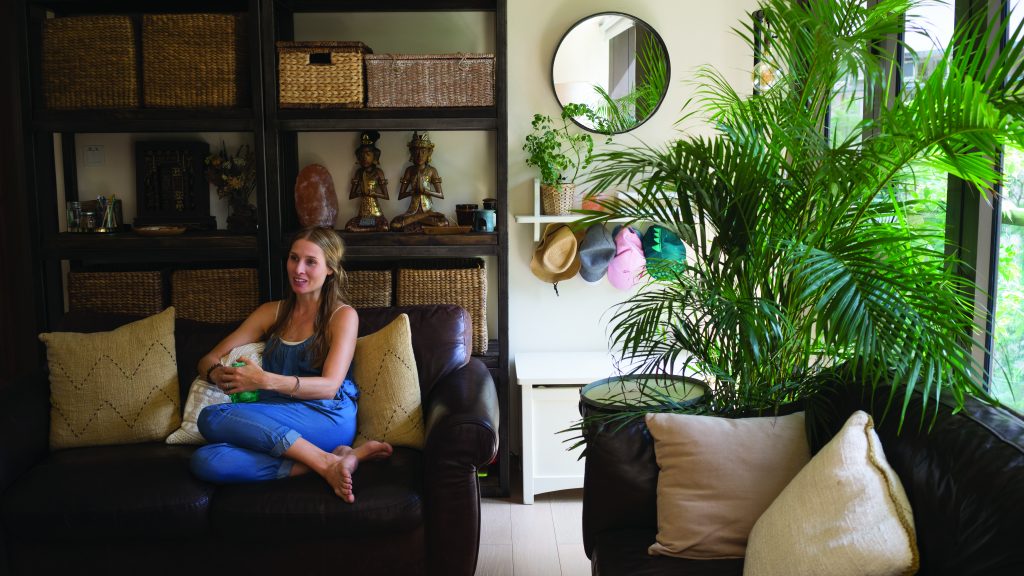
420, 182
369, 185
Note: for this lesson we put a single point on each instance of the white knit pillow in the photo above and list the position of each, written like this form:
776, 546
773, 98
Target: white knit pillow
844, 514
203, 394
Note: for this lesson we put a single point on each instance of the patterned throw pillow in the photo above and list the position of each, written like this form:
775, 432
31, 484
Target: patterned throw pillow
117, 387
844, 514
203, 394
390, 408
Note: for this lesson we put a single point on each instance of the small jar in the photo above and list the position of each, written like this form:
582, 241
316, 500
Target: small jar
491, 204
88, 222
465, 213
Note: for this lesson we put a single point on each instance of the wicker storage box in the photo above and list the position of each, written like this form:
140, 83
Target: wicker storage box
218, 295
447, 284
194, 60
321, 74
136, 293
89, 62
429, 80
369, 288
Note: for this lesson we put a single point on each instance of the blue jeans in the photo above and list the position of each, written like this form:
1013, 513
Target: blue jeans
247, 440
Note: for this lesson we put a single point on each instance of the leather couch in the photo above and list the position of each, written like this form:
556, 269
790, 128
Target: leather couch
964, 479
136, 509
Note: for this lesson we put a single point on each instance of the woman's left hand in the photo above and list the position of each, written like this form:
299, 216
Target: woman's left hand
241, 378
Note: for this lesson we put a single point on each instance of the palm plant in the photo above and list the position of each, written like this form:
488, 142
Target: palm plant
804, 252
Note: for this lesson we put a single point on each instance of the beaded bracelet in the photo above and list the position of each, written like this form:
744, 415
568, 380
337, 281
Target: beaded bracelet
209, 371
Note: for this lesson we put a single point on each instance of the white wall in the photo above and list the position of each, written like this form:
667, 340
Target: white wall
695, 33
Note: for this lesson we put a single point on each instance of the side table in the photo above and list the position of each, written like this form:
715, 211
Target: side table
550, 383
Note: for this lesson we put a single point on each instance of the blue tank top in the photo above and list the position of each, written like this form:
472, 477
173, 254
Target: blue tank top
291, 359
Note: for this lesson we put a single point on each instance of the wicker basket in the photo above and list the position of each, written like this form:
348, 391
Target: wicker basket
321, 74
217, 295
89, 62
194, 60
369, 288
557, 200
465, 287
429, 80
135, 293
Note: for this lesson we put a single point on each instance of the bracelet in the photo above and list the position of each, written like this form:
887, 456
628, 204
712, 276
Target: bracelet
209, 371
296, 388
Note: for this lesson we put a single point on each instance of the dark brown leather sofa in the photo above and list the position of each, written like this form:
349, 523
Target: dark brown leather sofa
964, 479
136, 509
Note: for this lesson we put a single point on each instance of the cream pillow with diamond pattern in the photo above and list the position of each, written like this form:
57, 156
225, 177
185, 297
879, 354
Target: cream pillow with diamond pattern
117, 387
390, 408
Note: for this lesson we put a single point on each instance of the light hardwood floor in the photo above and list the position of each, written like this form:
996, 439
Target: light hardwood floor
542, 539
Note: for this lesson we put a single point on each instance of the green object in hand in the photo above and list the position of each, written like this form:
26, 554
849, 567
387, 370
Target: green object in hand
248, 395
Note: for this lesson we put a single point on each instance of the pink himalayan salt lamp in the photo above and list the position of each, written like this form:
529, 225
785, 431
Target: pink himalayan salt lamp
315, 201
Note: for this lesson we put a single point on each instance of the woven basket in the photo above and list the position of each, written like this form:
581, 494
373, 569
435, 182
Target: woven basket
135, 293
216, 296
557, 200
89, 62
321, 74
194, 60
369, 288
465, 287
429, 80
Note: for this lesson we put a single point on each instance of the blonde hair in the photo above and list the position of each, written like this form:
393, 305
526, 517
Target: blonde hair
332, 293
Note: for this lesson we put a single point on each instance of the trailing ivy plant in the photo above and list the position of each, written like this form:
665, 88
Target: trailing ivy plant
805, 254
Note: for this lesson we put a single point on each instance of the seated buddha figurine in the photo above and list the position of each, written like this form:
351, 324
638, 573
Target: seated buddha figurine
368, 184
420, 182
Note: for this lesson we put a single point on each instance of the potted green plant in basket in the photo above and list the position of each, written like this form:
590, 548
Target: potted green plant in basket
807, 253
559, 154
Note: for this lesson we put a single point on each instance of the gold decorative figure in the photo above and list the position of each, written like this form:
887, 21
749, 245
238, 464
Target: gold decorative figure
421, 182
368, 184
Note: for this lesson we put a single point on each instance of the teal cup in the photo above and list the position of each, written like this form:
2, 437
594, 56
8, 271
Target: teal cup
484, 220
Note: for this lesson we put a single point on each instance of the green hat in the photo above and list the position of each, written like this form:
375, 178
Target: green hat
665, 252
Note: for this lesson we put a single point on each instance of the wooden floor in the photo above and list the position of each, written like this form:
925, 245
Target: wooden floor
542, 539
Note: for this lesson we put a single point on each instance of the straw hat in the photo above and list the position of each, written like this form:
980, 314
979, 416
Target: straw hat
557, 257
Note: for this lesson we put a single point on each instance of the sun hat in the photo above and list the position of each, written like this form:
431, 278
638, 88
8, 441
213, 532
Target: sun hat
557, 256
628, 263
665, 253
596, 251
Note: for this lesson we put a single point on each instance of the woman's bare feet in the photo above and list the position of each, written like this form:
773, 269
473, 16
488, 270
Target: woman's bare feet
339, 475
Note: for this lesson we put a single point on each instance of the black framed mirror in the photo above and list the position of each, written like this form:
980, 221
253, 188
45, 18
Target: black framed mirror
617, 65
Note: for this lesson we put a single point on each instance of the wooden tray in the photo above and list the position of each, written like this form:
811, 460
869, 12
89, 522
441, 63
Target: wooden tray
446, 229
159, 230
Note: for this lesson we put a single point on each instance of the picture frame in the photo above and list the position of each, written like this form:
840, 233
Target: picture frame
171, 186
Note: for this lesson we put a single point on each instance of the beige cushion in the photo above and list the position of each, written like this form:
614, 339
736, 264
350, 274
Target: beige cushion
117, 387
390, 408
844, 514
718, 475
203, 394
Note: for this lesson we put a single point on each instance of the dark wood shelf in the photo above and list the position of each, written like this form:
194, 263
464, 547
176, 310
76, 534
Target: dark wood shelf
130, 247
146, 120
398, 245
388, 5
354, 119
73, 7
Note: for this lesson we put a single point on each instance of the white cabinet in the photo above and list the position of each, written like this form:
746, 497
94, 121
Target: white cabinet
550, 383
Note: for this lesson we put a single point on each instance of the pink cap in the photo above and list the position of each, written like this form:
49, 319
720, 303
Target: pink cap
629, 263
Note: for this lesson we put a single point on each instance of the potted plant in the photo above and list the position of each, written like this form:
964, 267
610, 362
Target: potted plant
559, 154
808, 254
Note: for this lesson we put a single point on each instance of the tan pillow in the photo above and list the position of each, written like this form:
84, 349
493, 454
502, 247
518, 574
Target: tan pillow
844, 514
390, 408
117, 387
202, 394
718, 475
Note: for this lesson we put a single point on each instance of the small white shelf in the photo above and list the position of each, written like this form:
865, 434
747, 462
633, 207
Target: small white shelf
538, 219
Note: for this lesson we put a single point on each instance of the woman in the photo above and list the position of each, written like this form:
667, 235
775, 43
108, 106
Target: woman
305, 418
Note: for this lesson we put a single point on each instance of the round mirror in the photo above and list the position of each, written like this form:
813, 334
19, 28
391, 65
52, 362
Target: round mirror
616, 65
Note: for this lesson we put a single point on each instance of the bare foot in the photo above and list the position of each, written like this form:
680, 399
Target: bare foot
339, 475
373, 450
